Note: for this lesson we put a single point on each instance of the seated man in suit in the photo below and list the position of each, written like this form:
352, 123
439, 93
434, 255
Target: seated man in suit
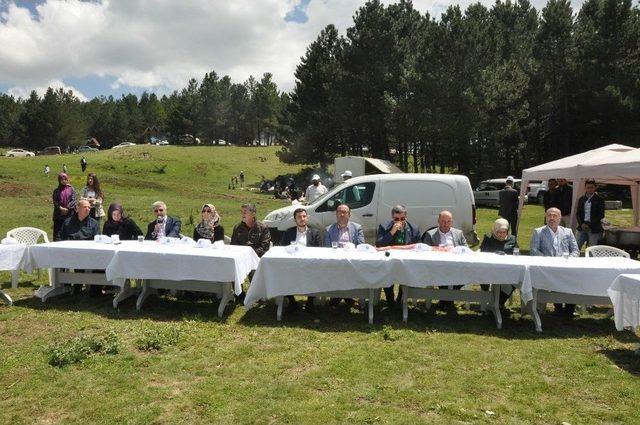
343, 230
399, 234
302, 235
554, 240
80, 226
589, 213
445, 235
163, 225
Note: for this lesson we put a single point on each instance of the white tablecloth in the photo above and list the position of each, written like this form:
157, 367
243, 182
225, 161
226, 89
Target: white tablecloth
71, 255
151, 260
625, 296
315, 270
13, 257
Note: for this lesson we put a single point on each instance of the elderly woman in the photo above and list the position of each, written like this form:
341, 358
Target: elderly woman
94, 194
499, 241
64, 203
209, 227
119, 224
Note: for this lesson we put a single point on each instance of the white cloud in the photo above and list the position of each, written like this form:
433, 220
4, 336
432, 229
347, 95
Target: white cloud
25, 92
160, 44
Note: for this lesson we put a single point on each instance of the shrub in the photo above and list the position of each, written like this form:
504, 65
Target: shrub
157, 338
77, 349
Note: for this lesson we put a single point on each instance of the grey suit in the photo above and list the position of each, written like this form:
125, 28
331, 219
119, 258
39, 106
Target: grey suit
356, 235
432, 237
542, 242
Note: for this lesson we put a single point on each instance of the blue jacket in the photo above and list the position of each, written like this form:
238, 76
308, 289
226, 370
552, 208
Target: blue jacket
171, 228
542, 242
355, 234
385, 239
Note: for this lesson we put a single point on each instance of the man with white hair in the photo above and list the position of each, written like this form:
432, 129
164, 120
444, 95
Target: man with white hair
163, 225
315, 190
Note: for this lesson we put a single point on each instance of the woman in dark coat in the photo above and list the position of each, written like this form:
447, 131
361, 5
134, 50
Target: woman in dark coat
64, 203
119, 224
499, 241
209, 227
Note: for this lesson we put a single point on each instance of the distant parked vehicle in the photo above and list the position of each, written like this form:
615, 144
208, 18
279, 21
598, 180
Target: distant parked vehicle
162, 143
487, 192
50, 150
123, 145
85, 149
19, 153
187, 139
536, 191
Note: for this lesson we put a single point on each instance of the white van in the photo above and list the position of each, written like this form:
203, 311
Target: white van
371, 198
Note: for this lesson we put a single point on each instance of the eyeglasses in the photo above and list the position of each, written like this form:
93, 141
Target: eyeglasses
399, 218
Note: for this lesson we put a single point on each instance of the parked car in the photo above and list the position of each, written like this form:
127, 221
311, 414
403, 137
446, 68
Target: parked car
536, 191
162, 143
50, 150
371, 198
487, 191
85, 149
19, 153
123, 145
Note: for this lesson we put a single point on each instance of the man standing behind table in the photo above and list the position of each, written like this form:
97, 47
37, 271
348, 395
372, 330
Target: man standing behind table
397, 233
301, 235
554, 240
589, 213
80, 226
447, 236
315, 190
508, 198
163, 225
253, 233
565, 198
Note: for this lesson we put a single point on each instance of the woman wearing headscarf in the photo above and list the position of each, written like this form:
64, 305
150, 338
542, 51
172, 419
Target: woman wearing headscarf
209, 227
94, 194
64, 203
499, 241
119, 224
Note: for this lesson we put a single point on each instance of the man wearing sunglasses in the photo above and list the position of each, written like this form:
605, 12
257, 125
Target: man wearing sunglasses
397, 233
163, 225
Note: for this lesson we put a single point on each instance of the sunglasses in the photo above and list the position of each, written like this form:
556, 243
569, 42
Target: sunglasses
399, 218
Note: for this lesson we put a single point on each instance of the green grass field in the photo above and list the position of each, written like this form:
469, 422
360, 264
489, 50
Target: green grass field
176, 362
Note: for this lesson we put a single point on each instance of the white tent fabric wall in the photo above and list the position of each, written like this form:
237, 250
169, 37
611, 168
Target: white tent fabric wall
599, 164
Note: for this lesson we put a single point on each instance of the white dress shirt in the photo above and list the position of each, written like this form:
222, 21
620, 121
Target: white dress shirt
446, 239
587, 209
301, 237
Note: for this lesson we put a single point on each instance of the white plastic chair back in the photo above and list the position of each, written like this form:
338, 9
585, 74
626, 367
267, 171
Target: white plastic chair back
605, 251
28, 235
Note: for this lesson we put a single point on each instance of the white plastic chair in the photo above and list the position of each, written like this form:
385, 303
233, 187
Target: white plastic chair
605, 251
28, 236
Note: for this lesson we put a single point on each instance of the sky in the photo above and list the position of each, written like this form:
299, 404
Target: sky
114, 47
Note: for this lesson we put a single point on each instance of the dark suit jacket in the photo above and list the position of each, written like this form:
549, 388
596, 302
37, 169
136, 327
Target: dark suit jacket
508, 203
313, 237
597, 212
565, 197
384, 237
171, 228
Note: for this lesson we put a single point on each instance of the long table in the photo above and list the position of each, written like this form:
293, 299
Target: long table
324, 271
12, 258
173, 266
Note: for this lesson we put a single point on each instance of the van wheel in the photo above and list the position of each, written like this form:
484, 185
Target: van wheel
10, 155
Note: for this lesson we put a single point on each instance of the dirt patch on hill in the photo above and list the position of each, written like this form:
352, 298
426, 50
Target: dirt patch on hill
14, 190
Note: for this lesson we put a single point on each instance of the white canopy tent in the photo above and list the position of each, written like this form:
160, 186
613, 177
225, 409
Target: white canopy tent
614, 164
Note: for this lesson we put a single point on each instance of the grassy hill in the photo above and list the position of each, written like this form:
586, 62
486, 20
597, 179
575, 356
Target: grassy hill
176, 362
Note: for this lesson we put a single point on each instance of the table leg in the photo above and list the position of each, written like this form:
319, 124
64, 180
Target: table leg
15, 277
125, 292
6, 298
495, 305
280, 304
226, 296
46, 292
534, 311
146, 291
405, 303
371, 306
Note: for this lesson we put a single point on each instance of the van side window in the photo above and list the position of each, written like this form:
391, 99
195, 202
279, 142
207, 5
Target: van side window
356, 196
